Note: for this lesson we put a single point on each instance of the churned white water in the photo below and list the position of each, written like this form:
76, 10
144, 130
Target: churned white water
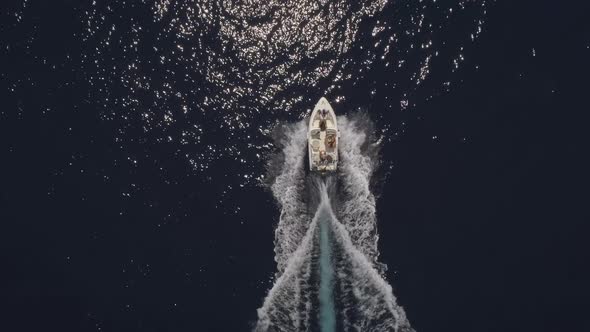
328, 275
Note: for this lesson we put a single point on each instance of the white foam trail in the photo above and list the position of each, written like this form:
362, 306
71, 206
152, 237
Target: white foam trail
372, 297
365, 300
288, 303
287, 306
288, 189
357, 210
374, 303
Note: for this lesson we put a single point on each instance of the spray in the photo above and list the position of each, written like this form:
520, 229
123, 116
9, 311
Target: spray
328, 275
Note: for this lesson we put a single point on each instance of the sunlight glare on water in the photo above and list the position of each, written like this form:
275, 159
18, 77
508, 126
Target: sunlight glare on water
165, 71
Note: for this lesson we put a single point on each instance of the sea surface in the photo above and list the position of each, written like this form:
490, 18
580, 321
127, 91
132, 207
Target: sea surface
141, 144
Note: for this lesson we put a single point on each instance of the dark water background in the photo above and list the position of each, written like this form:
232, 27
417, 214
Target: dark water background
116, 215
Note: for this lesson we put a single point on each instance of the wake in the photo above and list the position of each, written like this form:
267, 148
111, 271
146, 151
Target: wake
328, 277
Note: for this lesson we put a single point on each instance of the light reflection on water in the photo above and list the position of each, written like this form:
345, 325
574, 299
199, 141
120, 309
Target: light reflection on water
185, 73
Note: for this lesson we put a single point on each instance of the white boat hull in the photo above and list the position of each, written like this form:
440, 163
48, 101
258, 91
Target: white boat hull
322, 138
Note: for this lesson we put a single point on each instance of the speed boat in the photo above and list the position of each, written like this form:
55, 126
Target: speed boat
322, 138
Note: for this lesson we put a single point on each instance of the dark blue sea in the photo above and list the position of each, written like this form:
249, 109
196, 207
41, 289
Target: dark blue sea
153, 171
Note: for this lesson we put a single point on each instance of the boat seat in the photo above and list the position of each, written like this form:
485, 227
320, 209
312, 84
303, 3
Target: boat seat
315, 134
315, 145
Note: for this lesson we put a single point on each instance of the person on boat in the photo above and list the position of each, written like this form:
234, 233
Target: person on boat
331, 141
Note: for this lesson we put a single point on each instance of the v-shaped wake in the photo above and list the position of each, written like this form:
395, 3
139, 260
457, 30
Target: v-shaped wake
328, 276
